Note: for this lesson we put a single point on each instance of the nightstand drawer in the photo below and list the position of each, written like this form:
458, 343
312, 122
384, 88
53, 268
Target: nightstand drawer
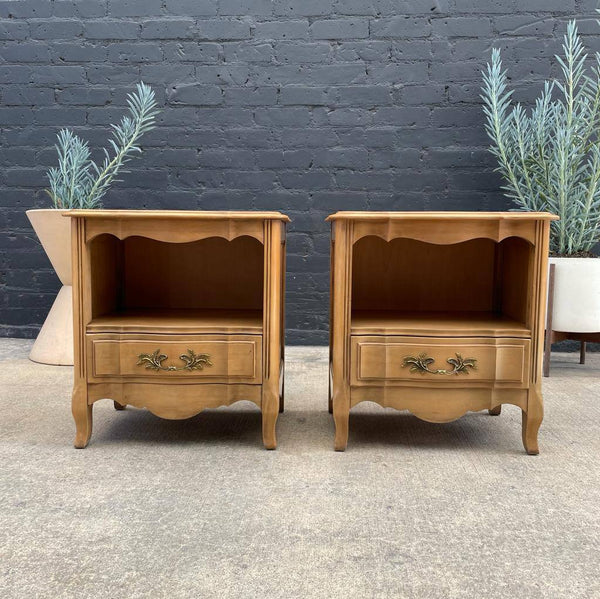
435, 361
214, 358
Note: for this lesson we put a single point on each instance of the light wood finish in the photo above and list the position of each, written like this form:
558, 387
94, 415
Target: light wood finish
186, 215
212, 273
438, 284
137, 273
499, 361
442, 227
340, 330
460, 324
164, 320
174, 402
449, 217
232, 357
80, 407
165, 225
553, 336
199, 286
388, 275
272, 387
457, 400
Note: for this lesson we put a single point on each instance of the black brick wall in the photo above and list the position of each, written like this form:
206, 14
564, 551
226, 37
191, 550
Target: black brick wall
304, 106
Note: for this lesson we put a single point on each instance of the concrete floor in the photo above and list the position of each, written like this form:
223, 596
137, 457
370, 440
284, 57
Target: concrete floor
197, 508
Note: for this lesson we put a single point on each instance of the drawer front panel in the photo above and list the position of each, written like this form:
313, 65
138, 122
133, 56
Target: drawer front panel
213, 358
439, 361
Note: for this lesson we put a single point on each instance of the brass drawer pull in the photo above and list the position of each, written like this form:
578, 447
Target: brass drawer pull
192, 361
421, 364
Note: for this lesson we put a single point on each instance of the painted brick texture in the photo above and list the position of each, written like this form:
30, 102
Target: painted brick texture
304, 106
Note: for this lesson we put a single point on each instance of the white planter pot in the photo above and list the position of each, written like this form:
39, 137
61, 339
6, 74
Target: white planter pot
576, 307
54, 344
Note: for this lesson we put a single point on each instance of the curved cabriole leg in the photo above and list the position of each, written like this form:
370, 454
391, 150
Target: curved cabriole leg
341, 420
532, 419
270, 411
341, 417
82, 414
119, 406
495, 411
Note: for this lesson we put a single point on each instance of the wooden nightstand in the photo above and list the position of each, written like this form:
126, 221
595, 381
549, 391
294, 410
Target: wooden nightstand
438, 313
178, 311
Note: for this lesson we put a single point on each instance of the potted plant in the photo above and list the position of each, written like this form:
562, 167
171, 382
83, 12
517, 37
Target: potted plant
549, 158
79, 182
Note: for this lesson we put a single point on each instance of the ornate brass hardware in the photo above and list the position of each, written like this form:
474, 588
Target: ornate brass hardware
192, 361
421, 364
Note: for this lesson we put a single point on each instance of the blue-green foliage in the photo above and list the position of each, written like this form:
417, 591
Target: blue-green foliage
78, 182
549, 156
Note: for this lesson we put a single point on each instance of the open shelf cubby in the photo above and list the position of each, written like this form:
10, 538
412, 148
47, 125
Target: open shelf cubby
477, 287
142, 284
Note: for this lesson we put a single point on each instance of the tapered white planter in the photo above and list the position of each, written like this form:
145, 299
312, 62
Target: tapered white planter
576, 295
54, 344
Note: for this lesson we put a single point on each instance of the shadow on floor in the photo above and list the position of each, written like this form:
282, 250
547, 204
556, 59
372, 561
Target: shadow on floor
212, 427
313, 430
474, 431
